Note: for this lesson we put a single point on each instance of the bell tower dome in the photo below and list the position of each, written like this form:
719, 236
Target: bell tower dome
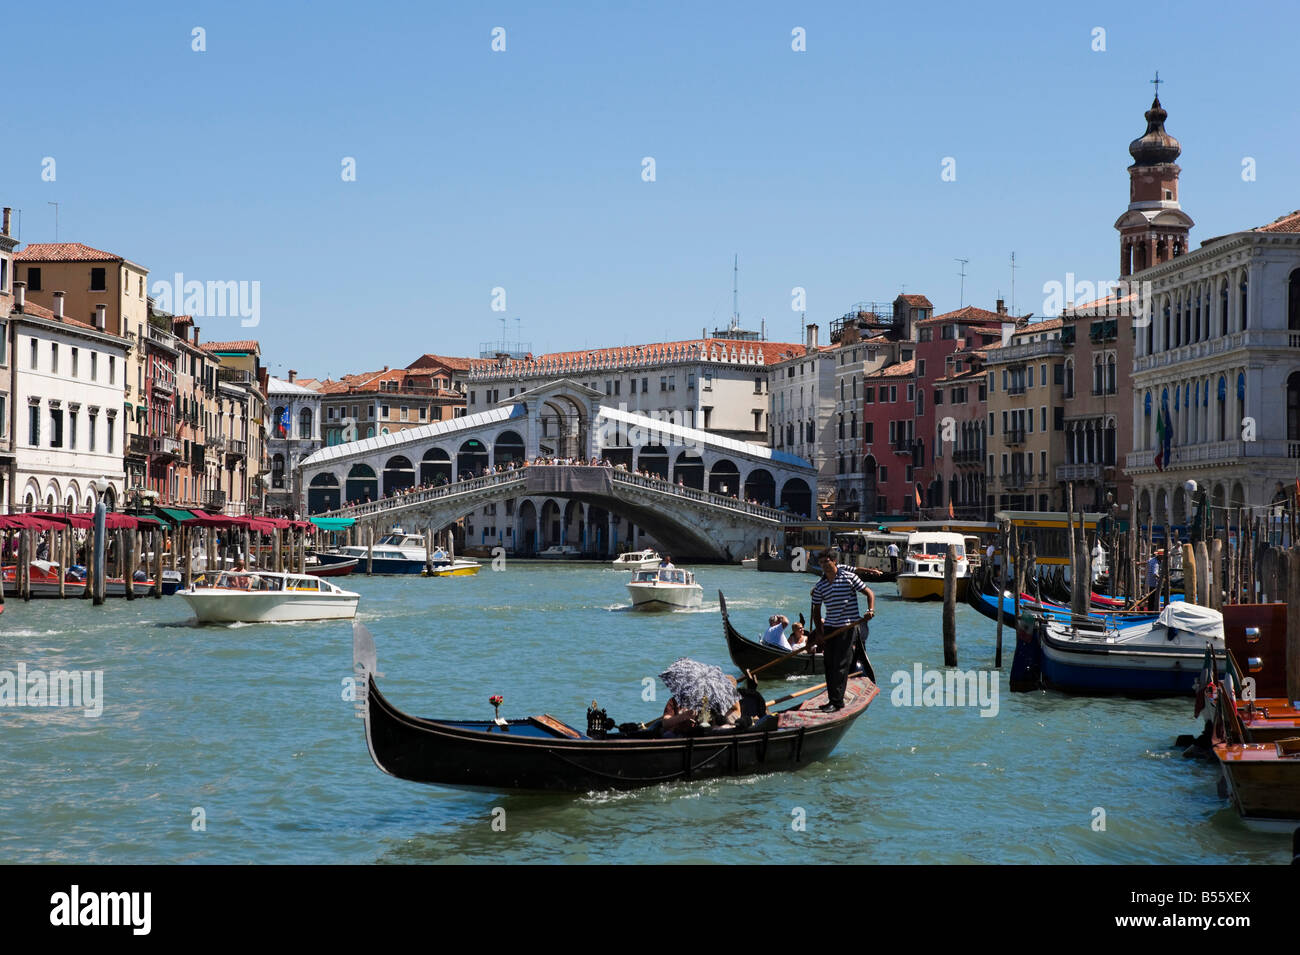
1154, 228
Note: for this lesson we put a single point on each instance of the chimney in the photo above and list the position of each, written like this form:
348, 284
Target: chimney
812, 337
195, 329
292, 375
58, 305
101, 317
1002, 307
20, 295
4, 229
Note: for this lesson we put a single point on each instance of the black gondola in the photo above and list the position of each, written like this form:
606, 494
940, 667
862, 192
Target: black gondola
541, 754
750, 654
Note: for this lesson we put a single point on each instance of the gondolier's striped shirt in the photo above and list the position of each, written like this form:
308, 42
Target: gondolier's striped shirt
840, 597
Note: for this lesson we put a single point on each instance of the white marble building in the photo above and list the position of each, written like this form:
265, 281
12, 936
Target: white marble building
68, 382
1221, 352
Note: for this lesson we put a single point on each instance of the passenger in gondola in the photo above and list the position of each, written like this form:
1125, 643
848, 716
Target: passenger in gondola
798, 637
678, 720
774, 636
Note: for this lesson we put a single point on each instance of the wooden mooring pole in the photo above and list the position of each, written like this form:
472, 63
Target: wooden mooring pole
950, 607
1002, 588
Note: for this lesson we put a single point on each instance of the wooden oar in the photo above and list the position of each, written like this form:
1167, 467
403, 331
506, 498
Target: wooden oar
808, 648
811, 689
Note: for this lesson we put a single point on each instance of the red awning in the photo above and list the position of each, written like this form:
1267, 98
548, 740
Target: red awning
32, 522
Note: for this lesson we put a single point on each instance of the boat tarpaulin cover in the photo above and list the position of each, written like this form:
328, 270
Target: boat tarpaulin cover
1192, 619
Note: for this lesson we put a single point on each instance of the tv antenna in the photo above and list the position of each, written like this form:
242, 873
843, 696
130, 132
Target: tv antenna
961, 298
56, 219
1013, 283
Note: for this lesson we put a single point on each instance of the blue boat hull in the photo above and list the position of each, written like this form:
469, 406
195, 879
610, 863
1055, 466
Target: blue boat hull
385, 566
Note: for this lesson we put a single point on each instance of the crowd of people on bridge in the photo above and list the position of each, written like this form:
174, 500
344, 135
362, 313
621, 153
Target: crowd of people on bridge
469, 474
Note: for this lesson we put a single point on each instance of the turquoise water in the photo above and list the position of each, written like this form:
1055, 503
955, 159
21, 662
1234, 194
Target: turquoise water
248, 724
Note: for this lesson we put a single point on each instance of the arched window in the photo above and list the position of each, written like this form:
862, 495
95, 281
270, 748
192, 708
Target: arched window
1069, 376
281, 423
1168, 326
1293, 404
1223, 307
1097, 370
1293, 302
1245, 302
304, 424
1112, 382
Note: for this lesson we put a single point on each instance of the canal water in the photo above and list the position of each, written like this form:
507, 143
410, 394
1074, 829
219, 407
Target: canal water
234, 744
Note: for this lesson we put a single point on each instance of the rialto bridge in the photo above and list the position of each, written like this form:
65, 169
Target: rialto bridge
697, 494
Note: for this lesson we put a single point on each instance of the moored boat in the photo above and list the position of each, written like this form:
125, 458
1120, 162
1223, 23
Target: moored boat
543, 754
443, 564
560, 552
1162, 657
44, 580
665, 589
749, 654
335, 569
396, 553
647, 559
266, 597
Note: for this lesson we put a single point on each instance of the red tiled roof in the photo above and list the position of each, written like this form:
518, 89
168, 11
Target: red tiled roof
902, 369
1287, 223
1109, 305
40, 311
877, 340
428, 360
918, 300
961, 376
63, 252
1032, 328
245, 344
971, 314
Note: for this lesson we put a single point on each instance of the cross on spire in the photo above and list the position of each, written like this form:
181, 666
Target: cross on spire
1156, 82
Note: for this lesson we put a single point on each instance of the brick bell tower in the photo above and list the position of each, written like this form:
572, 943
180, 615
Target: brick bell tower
1154, 229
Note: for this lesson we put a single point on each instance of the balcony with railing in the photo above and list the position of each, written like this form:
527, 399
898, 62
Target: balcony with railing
1014, 481
236, 448
1014, 353
214, 500
1078, 472
902, 445
1270, 338
1014, 436
968, 456
164, 446
234, 376
138, 444
1214, 452
164, 339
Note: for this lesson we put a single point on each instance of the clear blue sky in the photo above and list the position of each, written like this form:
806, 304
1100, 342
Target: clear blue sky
522, 169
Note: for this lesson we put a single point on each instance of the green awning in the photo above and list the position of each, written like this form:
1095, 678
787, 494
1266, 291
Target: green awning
333, 523
174, 515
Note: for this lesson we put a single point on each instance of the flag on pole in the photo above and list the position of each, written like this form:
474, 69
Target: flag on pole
951, 515
284, 421
917, 490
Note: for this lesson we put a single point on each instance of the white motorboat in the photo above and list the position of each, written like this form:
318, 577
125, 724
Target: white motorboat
667, 588
264, 597
1163, 656
646, 559
560, 552
922, 575
399, 552
749, 563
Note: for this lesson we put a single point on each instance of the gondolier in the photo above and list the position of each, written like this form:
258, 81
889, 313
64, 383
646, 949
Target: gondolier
838, 590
